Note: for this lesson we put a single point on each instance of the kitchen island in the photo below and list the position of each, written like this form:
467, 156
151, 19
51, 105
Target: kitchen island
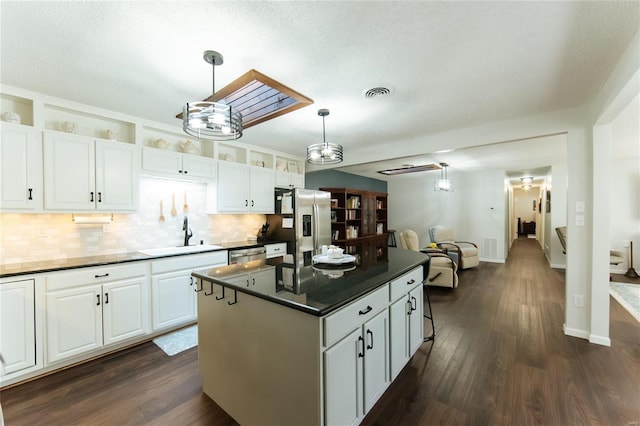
284, 341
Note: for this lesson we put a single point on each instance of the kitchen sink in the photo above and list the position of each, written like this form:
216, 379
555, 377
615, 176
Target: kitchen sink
164, 251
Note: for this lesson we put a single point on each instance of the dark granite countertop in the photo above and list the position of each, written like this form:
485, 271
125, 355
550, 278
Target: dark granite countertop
16, 269
316, 290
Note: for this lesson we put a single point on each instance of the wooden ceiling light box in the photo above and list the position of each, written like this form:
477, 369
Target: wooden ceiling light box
259, 98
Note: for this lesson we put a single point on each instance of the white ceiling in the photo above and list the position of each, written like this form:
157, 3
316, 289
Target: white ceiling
450, 65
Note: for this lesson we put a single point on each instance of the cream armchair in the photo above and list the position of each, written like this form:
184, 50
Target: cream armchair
462, 252
442, 270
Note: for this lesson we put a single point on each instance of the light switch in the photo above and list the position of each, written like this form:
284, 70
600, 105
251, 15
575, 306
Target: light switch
579, 220
579, 206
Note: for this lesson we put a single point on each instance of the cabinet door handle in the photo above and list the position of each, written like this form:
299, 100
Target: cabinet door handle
30, 193
253, 281
186, 171
409, 307
370, 333
91, 197
247, 282
179, 171
191, 281
414, 304
101, 276
411, 281
246, 203
98, 296
252, 203
99, 197
106, 298
365, 311
361, 340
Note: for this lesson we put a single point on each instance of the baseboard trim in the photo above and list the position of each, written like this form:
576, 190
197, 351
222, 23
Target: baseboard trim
599, 340
574, 332
558, 266
492, 260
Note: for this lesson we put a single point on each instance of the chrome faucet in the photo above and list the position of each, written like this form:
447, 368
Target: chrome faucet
187, 231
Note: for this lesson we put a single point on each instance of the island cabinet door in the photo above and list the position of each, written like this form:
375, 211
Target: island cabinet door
376, 358
399, 346
343, 380
415, 320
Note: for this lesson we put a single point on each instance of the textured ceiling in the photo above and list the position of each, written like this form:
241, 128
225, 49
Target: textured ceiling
450, 65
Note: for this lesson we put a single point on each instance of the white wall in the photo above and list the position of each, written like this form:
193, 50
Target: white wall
413, 204
557, 217
475, 210
523, 204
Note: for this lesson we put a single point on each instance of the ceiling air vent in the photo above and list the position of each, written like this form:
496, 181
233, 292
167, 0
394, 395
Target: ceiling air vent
377, 92
410, 169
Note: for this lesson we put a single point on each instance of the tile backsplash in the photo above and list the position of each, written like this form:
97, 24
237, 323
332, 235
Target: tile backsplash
33, 237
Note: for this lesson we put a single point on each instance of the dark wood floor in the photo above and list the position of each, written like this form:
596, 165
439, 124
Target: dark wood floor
499, 358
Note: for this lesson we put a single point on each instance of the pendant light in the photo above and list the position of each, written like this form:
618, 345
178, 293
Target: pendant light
324, 153
444, 184
212, 120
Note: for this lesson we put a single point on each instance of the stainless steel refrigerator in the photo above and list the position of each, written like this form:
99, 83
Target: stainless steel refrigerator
302, 219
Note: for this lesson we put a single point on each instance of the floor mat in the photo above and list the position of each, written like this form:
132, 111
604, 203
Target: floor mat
178, 341
628, 295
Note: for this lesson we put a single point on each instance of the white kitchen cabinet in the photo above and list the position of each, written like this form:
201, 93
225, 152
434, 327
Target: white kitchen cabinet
125, 310
289, 180
356, 366
173, 294
276, 250
176, 164
17, 326
82, 174
173, 299
244, 189
357, 371
406, 320
94, 307
20, 168
74, 321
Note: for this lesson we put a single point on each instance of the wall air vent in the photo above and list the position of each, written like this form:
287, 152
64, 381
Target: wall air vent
410, 169
258, 98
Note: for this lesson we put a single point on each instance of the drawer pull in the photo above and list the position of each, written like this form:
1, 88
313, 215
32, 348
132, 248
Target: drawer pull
101, 276
411, 281
361, 340
366, 311
370, 333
